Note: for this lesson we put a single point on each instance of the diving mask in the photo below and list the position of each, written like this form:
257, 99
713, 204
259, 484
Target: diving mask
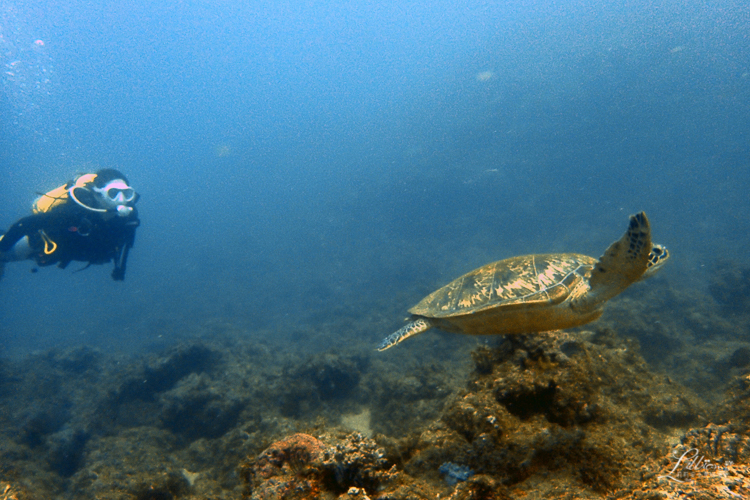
117, 192
117, 195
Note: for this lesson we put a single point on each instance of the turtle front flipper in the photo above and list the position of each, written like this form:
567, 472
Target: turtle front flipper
623, 263
409, 330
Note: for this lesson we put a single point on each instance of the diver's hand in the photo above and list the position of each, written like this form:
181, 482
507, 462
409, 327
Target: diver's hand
118, 274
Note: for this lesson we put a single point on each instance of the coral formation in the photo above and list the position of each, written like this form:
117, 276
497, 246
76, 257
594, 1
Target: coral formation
301, 466
531, 409
357, 461
575, 414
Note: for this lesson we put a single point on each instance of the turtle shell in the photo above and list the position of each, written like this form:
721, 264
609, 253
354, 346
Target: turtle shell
525, 282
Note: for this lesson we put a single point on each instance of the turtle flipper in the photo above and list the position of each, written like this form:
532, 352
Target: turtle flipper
409, 330
623, 263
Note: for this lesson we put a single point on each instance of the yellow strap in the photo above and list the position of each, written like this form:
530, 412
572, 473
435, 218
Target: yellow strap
84, 180
51, 199
48, 243
59, 195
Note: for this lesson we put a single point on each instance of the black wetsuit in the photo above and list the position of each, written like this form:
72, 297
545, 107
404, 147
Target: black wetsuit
69, 232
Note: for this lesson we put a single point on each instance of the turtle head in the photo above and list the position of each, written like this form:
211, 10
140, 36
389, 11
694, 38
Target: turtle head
656, 258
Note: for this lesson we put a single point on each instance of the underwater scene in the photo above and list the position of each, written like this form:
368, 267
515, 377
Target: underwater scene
350, 250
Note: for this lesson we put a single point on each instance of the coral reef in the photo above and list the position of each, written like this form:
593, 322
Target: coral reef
289, 469
357, 461
709, 462
581, 404
303, 467
575, 414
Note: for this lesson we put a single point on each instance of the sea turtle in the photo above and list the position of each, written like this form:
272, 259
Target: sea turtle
537, 293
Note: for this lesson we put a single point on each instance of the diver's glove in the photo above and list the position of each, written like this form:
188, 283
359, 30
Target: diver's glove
118, 274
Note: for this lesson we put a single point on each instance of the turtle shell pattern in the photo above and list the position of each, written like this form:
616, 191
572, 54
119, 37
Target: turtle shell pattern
525, 282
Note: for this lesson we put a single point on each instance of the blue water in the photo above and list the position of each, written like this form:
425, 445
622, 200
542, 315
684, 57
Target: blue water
300, 161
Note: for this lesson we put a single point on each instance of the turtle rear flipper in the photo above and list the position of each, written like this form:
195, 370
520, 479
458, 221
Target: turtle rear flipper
622, 264
409, 330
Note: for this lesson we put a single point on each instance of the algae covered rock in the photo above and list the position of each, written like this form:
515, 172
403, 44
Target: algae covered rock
581, 406
195, 409
323, 378
301, 466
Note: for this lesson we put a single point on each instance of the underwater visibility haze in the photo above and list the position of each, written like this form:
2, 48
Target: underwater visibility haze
309, 171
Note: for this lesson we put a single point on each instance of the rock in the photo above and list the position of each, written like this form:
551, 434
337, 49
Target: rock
303, 467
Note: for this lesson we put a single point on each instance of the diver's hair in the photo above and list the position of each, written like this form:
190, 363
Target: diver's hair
106, 175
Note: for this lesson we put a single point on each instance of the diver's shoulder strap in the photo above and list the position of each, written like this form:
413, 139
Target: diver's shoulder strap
50, 200
61, 194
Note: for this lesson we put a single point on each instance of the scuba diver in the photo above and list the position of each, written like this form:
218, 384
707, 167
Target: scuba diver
90, 219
